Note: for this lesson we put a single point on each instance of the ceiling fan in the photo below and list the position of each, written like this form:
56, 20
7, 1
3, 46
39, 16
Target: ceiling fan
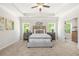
40, 6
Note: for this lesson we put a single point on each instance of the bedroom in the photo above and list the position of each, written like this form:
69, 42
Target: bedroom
47, 20
41, 22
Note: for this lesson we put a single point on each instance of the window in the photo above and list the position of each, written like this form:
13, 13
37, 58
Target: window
51, 27
68, 26
26, 27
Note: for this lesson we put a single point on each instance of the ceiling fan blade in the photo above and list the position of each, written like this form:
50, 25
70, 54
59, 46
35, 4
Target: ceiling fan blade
34, 6
46, 6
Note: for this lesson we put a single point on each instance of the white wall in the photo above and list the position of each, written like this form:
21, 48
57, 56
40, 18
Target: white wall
9, 37
61, 28
45, 20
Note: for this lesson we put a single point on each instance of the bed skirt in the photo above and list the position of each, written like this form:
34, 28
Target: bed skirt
39, 43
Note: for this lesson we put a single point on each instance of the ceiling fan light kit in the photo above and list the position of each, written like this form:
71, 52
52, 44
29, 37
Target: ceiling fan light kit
40, 6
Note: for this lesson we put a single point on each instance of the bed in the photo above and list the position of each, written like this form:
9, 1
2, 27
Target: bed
39, 38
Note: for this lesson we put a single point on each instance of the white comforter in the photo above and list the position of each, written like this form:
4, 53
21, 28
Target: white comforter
39, 40
39, 36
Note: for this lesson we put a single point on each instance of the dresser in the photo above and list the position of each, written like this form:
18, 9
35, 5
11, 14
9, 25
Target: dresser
74, 36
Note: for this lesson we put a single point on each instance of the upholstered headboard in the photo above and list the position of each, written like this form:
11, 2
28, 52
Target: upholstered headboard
39, 28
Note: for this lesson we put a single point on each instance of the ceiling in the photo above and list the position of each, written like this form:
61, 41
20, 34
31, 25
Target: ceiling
25, 8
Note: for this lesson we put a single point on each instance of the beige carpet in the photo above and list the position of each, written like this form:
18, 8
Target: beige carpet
59, 49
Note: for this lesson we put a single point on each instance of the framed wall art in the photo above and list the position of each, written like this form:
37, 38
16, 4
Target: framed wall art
2, 23
9, 24
12, 25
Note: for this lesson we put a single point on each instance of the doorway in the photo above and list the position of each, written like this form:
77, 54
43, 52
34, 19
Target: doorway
68, 30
